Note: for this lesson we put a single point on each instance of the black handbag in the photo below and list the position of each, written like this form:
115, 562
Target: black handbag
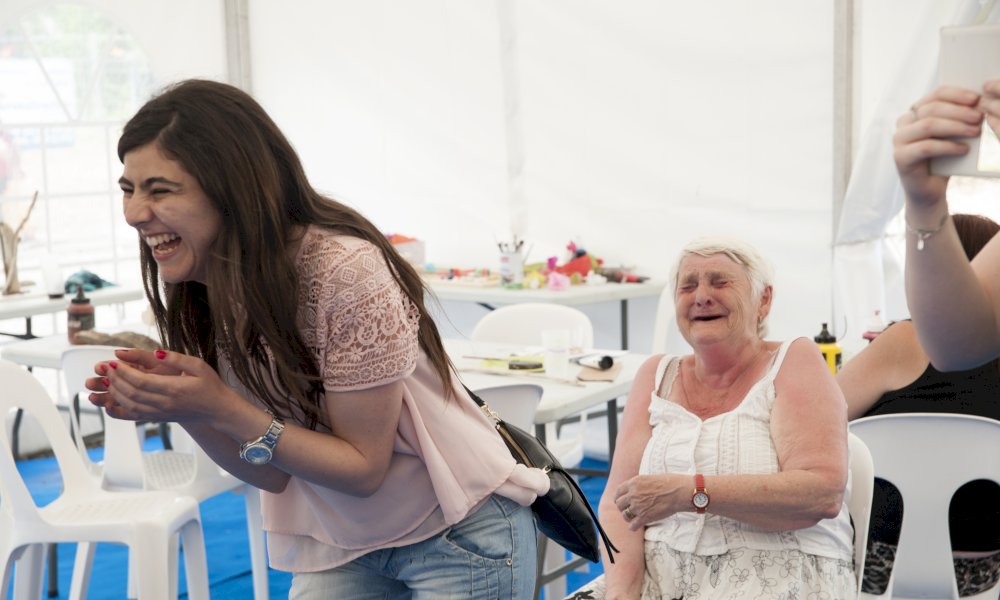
563, 514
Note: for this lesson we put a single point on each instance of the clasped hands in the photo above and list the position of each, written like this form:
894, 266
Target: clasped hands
158, 386
644, 499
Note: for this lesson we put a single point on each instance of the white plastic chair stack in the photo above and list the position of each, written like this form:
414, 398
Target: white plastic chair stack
185, 471
928, 456
147, 522
523, 324
859, 504
666, 336
666, 339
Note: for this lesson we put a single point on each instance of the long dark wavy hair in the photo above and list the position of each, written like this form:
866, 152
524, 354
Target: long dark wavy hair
249, 301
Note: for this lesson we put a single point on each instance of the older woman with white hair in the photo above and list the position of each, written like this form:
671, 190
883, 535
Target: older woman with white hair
729, 475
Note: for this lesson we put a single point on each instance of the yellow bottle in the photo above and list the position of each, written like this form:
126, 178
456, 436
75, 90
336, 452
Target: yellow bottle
831, 350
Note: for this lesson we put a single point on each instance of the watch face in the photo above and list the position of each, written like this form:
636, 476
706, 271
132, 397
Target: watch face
700, 500
257, 454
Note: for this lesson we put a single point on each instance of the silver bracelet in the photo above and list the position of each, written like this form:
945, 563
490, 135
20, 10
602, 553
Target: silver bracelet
925, 234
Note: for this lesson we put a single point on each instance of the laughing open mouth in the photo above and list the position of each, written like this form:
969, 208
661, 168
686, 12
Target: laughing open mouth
163, 243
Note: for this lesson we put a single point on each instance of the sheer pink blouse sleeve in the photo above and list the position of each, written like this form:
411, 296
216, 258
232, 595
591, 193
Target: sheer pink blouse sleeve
362, 325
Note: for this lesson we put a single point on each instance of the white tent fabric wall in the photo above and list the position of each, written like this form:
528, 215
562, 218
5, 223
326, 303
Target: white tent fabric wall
640, 126
867, 272
199, 24
188, 40
643, 125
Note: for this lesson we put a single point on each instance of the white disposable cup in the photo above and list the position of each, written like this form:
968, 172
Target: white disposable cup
52, 275
556, 343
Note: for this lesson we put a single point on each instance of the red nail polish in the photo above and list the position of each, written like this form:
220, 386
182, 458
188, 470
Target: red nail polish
103, 369
113, 364
106, 382
160, 354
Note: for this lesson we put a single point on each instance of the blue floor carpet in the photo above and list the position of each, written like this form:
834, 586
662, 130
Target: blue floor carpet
224, 524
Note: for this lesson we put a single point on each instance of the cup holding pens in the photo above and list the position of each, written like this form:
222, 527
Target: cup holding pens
511, 268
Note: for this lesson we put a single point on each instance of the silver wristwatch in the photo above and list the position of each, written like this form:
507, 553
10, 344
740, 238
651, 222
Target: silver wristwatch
260, 450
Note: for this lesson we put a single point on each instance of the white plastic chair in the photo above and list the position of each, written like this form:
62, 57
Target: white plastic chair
666, 336
147, 522
185, 471
859, 503
516, 404
928, 456
524, 323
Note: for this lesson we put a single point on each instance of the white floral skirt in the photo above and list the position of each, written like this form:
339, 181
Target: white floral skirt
740, 573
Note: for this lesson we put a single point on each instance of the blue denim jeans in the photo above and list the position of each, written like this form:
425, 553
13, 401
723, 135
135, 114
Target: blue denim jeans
489, 555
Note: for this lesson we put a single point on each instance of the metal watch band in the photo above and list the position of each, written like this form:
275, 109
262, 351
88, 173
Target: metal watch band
273, 432
260, 451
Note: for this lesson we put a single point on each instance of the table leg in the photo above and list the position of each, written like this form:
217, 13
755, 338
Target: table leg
15, 436
540, 432
612, 428
53, 560
27, 335
624, 309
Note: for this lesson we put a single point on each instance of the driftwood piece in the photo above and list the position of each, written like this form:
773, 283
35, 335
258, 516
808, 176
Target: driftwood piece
125, 339
8, 248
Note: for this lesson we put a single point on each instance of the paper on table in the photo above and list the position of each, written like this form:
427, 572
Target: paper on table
515, 363
588, 374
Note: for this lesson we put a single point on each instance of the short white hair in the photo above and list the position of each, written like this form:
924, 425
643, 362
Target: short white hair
758, 269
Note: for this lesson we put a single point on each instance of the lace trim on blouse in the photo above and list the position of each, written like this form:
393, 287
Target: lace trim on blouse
354, 315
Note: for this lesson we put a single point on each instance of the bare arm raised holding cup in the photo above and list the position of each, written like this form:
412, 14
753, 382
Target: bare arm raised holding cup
955, 305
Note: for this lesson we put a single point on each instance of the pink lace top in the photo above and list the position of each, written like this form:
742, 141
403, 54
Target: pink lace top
447, 457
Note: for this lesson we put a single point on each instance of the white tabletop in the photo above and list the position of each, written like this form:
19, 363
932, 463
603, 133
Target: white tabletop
559, 399
39, 352
38, 303
575, 295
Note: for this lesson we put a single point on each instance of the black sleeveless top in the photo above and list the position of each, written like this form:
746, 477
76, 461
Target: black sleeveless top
972, 392
975, 511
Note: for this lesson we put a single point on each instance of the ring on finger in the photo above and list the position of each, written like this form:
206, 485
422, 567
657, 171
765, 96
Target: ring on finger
913, 109
627, 513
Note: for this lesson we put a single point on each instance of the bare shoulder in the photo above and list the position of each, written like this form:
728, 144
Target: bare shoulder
646, 375
803, 365
896, 354
800, 349
645, 380
899, 343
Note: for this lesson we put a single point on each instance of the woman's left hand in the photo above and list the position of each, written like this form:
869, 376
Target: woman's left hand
649, 498
142, 386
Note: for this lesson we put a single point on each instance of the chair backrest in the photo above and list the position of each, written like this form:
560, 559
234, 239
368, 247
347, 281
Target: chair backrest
122, 446
859, 504
77, 364
666, 336
515, 404
22, 391
928, 456
124, 459
524, 323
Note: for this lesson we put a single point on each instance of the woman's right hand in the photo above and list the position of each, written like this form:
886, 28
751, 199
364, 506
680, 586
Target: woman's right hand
927, 131
989, 103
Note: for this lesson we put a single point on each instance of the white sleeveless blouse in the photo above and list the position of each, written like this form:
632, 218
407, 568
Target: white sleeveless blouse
733, 443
